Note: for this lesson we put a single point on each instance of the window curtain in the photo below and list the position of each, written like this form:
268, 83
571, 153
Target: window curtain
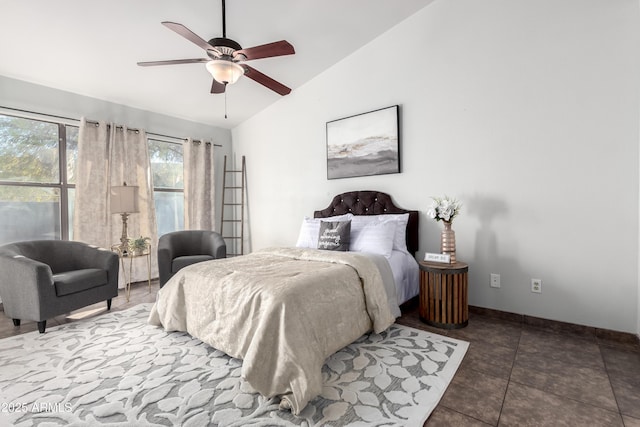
109, 155
199, 189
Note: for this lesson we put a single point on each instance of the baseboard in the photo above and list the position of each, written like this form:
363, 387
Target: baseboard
555, 325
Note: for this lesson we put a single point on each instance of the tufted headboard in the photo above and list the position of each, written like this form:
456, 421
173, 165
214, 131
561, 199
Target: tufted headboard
371, 203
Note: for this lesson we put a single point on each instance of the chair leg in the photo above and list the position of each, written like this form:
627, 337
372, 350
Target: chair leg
42, 325
109, 304
16, 322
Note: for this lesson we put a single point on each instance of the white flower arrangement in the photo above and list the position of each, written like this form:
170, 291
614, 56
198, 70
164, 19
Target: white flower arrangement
444, 208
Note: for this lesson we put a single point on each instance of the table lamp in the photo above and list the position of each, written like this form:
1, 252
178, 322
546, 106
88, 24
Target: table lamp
124, 200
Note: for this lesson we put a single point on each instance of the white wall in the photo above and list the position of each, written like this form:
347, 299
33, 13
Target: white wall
527, 111
22, 95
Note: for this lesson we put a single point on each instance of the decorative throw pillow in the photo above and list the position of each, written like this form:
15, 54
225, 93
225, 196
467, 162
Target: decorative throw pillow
334, 235
310, 229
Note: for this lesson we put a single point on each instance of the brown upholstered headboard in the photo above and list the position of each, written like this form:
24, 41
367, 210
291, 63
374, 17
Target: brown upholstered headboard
371, 203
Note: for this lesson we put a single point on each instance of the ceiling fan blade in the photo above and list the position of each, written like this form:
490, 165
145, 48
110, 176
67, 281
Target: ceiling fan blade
265, 80
188, 34
173, 62
269, 50
217, 87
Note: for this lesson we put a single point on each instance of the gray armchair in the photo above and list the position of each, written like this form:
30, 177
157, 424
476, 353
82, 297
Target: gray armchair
42, 279
182, 248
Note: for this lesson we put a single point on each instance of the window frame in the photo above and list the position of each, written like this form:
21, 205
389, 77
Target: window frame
165, 189
62, 185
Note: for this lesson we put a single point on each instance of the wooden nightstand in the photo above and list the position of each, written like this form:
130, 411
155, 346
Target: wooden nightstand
444, 295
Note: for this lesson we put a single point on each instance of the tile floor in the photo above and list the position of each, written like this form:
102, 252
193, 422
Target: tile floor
514, 373
518, 374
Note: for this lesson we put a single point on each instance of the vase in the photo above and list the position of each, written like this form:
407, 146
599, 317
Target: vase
448, 241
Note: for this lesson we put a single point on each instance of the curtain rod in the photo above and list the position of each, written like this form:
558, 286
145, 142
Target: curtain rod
95, 122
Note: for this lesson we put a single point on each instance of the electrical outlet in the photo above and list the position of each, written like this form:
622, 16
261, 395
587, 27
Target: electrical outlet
536, 286
495, 280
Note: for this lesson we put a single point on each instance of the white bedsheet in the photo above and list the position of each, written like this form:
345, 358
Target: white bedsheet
406, 274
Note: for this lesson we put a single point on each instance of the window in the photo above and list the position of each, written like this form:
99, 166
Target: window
168, 185
37, 164
38, 176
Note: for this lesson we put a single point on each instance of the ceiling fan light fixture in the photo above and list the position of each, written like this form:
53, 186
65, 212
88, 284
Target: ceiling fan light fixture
225, 72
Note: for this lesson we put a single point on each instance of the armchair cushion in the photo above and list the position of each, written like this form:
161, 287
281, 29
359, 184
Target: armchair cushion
183, 261
79, 280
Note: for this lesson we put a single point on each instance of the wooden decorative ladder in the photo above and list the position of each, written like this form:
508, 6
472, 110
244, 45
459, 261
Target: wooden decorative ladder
232, 221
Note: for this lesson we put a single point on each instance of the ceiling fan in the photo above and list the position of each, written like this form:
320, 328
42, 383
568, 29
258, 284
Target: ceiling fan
226, 58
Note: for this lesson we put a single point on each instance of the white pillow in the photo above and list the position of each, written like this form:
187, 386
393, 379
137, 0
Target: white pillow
400, 238
310, 229
374, 237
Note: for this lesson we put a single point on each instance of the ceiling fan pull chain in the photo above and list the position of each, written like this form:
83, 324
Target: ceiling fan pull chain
225, 100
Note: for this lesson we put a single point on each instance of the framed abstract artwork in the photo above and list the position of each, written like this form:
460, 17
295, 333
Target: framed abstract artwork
365, 144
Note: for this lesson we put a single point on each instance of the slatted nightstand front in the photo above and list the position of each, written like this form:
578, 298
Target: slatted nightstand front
444, 294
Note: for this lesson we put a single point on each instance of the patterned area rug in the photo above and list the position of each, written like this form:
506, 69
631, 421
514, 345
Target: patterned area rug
116, 369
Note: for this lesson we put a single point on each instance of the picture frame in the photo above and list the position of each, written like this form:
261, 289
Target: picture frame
365, 144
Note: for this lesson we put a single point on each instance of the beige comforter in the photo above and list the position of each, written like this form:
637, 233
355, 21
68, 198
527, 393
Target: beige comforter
282, 310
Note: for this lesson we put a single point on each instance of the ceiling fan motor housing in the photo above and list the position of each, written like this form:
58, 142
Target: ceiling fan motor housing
224, 45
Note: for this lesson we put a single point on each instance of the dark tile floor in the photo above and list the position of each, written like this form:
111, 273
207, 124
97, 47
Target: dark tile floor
517, 374
514, 374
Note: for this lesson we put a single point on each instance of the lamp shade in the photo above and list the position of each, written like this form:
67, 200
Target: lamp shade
124, 199
224, 71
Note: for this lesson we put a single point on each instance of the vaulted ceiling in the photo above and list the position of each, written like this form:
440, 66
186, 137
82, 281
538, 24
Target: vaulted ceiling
91, 48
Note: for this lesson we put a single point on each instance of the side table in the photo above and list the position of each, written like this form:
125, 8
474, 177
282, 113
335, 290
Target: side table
130, 256
444, 294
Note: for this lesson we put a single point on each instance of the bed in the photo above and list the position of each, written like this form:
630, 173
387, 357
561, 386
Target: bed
283, 311
364, 204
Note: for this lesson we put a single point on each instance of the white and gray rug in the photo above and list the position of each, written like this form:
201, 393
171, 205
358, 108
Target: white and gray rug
116, 369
